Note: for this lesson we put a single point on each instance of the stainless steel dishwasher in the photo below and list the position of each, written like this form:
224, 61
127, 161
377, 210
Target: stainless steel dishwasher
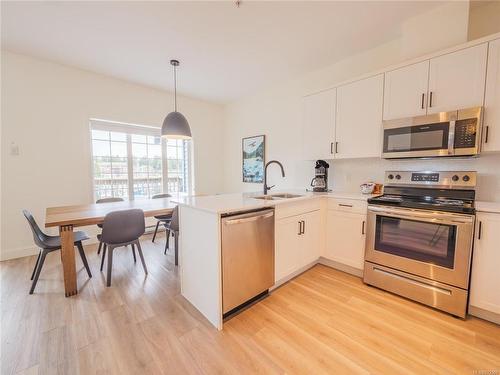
247, 257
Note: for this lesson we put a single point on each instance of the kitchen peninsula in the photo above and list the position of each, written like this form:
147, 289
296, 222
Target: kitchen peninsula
300, 239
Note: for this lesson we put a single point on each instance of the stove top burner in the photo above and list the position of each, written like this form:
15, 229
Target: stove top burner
465, 206
450, 202
437, 191
390, 198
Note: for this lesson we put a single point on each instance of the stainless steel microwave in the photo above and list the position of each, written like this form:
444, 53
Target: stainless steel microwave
455, 133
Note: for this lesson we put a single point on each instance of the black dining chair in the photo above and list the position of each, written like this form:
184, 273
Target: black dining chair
106, 200
47, 244
173, 228
122, 228
161, 219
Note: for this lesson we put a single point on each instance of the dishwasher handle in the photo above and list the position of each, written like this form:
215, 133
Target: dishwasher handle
249, 218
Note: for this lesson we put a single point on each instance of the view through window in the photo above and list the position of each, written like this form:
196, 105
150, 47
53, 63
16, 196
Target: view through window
134, 162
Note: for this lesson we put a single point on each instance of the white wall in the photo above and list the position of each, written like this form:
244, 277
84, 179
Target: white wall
46, 109
277, 113
484, 19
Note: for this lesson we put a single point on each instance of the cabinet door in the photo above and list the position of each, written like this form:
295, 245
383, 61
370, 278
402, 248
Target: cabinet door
318, 131
345, 238
287, 246
405, 91
359, 118
310, 240
485, 278
491, 135
457, 80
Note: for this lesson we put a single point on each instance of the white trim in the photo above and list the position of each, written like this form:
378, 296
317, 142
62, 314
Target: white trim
20, 252
123, 127
132, 129
416, 60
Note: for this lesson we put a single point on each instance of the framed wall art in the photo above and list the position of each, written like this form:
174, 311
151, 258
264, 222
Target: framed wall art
253, 158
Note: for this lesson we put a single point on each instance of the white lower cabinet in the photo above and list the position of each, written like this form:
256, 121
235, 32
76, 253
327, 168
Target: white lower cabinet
298, 241
485, 277
345, 238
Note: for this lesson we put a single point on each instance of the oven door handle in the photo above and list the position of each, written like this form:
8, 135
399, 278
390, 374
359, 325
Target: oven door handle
432, 216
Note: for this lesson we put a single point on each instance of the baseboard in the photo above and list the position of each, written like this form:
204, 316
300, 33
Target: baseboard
18, 253
33, 250
341, 267
285, 279
484, 314
324, 262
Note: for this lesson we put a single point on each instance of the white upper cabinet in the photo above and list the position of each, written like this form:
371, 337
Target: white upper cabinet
457, 80
405, 91
485, 278
318, 131
491, 135
359, 118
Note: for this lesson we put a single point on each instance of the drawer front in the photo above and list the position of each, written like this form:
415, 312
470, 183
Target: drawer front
348, 205
287, 209
432, 293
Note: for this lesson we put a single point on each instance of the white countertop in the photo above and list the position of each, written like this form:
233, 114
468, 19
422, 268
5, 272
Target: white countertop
484, 206
225, 203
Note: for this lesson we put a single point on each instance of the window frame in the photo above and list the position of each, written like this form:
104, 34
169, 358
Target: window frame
129, 130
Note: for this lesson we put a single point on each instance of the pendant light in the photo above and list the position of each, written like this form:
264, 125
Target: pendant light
175, 125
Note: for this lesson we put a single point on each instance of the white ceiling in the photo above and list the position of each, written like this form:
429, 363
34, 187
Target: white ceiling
225, 51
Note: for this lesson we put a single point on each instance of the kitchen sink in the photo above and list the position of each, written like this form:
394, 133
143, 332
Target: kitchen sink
266, 197
286, 196
278, 196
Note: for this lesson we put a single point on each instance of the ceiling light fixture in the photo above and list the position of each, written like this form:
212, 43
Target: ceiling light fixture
175, 125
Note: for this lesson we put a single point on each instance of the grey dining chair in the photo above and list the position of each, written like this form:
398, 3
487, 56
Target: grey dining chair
122, 228
47, 244
106, 200
161, 219
173, 227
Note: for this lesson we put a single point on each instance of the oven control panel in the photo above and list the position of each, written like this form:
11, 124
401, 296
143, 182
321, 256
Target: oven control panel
448, 179
426, 177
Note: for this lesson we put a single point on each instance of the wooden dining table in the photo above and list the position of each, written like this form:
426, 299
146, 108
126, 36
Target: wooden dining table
69, 217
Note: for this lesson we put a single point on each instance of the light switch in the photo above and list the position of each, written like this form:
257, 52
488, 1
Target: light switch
14, 149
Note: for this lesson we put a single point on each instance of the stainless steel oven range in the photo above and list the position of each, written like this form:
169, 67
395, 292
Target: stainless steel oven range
419, 238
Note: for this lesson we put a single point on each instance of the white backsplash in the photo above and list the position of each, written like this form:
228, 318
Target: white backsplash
349, 174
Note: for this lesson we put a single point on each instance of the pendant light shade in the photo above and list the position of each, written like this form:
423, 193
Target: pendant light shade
175, 125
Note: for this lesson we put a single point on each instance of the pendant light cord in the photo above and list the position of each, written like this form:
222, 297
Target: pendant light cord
175, 88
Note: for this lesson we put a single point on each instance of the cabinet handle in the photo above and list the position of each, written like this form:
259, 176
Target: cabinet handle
363, 227
303, 227
430, 100
480, 230
336, 147
345, 205
423, 99
331, 147
487, 133
300, 227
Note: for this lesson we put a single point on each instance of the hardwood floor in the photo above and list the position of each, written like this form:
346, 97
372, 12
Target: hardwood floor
324, 321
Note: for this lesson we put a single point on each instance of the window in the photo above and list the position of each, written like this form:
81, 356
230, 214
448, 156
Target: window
134, 162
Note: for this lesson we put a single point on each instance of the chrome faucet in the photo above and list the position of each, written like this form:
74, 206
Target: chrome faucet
267, 188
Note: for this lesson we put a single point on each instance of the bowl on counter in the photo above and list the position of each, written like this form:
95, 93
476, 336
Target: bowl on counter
367, 188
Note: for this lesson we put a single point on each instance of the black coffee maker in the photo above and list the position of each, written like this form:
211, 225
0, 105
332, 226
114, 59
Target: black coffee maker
320, 181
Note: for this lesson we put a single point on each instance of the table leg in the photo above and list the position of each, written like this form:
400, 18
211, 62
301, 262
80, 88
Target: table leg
68, 260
